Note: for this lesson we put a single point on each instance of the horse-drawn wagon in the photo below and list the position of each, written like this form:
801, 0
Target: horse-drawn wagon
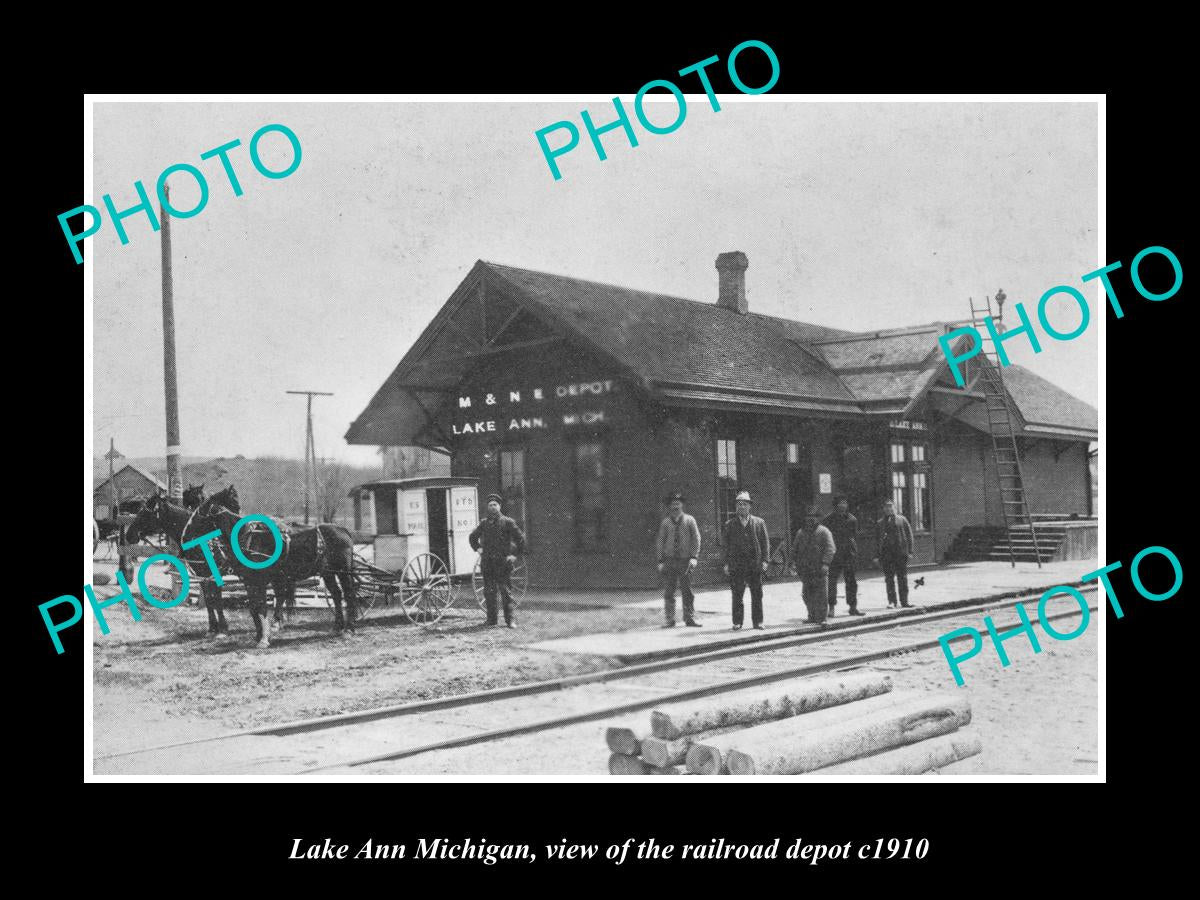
418, 533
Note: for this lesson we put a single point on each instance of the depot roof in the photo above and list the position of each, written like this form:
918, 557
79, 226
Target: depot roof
687, 352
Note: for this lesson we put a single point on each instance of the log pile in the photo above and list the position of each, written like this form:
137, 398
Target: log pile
849, 725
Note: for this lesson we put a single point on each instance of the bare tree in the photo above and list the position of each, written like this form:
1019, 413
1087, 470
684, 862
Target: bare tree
334, 481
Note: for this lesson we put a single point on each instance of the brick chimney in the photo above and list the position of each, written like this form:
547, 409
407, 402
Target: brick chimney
731, 272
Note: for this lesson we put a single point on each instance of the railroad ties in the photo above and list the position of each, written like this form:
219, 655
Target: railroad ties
848, 725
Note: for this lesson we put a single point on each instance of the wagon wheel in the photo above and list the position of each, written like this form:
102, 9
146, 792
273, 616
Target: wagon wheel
518, 580
777, 565
425, 589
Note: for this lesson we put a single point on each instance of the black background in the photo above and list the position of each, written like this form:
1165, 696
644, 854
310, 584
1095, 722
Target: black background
241, 833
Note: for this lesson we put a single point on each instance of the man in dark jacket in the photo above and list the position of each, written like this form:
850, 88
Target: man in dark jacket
844, 528
812, 552
678, 548
895, 550
747, 549
499, 541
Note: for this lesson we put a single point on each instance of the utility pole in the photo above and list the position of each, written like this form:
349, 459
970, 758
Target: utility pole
310, 451
124, 566
112, 455
170, 388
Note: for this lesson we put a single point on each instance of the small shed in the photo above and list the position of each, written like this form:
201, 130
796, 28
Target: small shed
131, 484
408, 516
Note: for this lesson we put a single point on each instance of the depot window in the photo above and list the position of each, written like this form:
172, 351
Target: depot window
910, 483
727, 479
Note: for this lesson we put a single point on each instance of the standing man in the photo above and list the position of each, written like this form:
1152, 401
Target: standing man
844, 528
812, 552
500, 541
747, 549
678, 551
895, 550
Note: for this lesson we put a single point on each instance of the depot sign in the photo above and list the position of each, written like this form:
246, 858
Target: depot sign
532, 408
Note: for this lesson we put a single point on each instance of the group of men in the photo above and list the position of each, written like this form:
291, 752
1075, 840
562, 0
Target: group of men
822, 552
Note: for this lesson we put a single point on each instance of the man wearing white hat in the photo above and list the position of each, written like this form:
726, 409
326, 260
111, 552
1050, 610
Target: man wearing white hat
747, 549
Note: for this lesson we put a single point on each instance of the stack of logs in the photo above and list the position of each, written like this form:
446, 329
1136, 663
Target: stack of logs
849, 725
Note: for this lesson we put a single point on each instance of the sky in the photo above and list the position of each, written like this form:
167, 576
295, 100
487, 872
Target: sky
853, 215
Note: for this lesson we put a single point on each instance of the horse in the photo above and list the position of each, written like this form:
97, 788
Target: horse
160, 516
228, 498
193, 495
324, 550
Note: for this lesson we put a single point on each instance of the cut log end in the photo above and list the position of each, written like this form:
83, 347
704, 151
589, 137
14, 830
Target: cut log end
703, 760
620, 764
661, 753
739, 763
662, 727
622, 739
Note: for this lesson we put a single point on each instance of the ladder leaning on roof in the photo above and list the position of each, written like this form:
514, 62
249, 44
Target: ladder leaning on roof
1013, 503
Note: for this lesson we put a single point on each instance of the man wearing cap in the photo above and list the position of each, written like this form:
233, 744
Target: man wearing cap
499, 540
812, 552
895, 550
844, 528
747, 549
678, 550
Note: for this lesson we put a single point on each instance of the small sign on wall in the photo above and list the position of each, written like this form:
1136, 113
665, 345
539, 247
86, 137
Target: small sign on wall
826, 483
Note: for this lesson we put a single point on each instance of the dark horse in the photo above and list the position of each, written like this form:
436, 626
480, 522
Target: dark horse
325, 550
193, 495
161, 516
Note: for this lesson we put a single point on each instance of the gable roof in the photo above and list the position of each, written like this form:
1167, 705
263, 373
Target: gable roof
154, 482
672, 340
689, 352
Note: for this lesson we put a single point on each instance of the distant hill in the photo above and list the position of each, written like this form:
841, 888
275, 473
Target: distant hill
275, 485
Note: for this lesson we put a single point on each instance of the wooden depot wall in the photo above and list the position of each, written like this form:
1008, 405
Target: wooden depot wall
548, 400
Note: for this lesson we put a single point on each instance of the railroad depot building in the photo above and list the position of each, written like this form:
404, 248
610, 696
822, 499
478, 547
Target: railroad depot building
584, 403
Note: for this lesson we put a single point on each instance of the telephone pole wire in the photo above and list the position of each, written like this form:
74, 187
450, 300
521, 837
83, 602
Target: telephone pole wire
310, 450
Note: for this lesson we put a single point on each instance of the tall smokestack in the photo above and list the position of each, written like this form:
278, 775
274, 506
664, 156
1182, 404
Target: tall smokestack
731, 271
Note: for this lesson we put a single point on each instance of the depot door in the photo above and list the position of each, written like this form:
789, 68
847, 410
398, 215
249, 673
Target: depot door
799, 484
861, 483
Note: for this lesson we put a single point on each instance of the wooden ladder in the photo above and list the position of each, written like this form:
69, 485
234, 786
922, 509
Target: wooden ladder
1013, 502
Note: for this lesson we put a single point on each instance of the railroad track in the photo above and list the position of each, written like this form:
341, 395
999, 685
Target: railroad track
385, 734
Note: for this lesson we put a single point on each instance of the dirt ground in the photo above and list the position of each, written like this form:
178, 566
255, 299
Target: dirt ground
166, 673
1036, 717
162, 679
